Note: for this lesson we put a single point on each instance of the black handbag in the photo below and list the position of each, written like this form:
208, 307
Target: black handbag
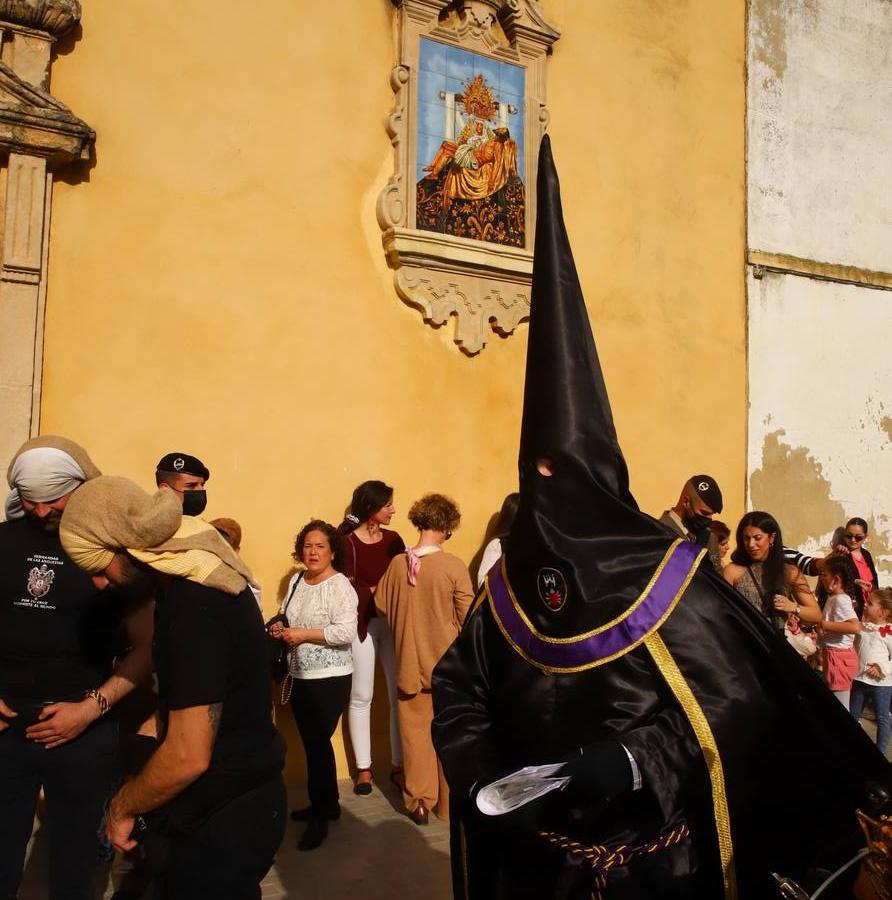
278, 652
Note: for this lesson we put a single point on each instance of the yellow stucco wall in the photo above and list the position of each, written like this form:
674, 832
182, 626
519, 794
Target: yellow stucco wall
217, 283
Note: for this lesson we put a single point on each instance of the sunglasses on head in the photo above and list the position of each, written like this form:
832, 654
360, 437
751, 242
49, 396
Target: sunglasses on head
854, 537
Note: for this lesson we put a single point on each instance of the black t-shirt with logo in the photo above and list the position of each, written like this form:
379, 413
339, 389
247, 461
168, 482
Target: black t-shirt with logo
210, 647
57, 630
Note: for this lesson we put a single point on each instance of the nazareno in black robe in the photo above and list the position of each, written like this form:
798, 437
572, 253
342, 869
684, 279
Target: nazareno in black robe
749, 764
794, 762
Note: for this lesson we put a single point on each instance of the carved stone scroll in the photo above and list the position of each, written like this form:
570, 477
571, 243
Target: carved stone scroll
458, 212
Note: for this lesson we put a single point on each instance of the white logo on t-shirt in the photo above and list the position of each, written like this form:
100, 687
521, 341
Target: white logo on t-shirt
40, 580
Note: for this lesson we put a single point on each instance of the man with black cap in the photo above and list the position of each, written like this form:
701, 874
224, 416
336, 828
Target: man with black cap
185, 475
673, 727
699, 501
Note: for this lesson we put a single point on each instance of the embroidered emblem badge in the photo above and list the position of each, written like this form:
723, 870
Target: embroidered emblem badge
703, 486
178, 463
552, 589
40, 580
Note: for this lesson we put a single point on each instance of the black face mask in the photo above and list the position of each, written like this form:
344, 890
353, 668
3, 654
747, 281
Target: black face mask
698, 526
194, 502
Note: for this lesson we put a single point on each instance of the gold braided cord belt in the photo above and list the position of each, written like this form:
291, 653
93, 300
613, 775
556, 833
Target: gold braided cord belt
601, 859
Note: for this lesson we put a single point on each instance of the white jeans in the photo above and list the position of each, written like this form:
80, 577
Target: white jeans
378, 642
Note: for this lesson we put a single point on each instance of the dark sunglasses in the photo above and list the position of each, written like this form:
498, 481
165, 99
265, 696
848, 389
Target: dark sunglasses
854, 537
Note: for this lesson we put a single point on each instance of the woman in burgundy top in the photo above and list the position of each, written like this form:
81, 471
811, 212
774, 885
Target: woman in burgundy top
368, 548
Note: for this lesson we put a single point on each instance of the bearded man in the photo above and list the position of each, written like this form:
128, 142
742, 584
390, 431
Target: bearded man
59, 638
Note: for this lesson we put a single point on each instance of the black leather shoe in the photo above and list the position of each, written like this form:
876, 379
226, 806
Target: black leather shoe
316, 833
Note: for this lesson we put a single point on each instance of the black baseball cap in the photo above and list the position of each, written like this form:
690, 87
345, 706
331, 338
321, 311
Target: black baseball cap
183, 464
708, 491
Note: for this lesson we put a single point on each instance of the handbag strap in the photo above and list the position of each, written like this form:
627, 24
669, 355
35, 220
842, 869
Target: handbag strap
767, 607
756, 584
288, 599
288, 680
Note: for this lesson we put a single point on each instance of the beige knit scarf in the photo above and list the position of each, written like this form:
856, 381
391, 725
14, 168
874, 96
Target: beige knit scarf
108, 515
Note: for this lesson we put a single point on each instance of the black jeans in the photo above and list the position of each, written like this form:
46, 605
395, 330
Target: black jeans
317, 704
228, 856
77, 779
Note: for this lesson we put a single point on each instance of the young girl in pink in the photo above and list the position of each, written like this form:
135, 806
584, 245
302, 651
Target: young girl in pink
840, 625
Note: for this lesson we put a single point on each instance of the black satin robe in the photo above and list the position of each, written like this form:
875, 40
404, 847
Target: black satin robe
794, 762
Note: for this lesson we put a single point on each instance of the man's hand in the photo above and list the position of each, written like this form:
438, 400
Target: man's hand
7, 713
874, 671
62, 722
119, 826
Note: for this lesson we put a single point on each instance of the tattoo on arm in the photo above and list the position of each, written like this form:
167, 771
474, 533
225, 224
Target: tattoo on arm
215, 712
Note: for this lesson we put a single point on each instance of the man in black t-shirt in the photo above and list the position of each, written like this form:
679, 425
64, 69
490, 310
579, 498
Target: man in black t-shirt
212, 794
58, 634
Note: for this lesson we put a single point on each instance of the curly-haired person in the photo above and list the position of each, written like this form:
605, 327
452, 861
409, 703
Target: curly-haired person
317, 621
425, 595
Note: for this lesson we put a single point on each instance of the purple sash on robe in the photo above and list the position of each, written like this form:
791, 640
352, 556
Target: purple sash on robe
610, 640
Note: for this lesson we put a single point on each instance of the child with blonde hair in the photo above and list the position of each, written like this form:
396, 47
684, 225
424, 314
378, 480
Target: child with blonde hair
874, 677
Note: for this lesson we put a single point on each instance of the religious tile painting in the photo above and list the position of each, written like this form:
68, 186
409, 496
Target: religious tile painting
470, 146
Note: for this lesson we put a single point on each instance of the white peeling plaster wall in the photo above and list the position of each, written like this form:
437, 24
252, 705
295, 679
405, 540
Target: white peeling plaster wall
820, 130
820, 424
820, 187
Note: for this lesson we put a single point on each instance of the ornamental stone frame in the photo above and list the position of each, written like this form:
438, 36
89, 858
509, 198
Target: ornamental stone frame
442, 274
37, 135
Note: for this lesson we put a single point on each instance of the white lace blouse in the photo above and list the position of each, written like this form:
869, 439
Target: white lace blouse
331, 606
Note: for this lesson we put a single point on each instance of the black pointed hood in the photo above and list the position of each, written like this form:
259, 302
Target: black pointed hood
580, 551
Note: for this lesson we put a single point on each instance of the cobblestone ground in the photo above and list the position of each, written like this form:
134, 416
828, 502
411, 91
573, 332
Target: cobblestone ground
373, 852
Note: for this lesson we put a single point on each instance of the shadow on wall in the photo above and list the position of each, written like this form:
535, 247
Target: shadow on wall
76, 172
488, 535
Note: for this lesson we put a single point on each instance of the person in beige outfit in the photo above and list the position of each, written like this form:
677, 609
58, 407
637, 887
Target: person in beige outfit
425, 595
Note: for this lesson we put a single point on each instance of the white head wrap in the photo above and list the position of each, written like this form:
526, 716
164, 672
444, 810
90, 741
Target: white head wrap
13, 508
44, 474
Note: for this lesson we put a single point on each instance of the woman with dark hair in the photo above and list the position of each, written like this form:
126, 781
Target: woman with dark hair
760, 574
425, 594
861, 569
319, 613
368, 548
493, 549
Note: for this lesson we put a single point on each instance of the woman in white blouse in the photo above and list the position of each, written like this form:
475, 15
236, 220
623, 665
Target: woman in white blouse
320, 609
